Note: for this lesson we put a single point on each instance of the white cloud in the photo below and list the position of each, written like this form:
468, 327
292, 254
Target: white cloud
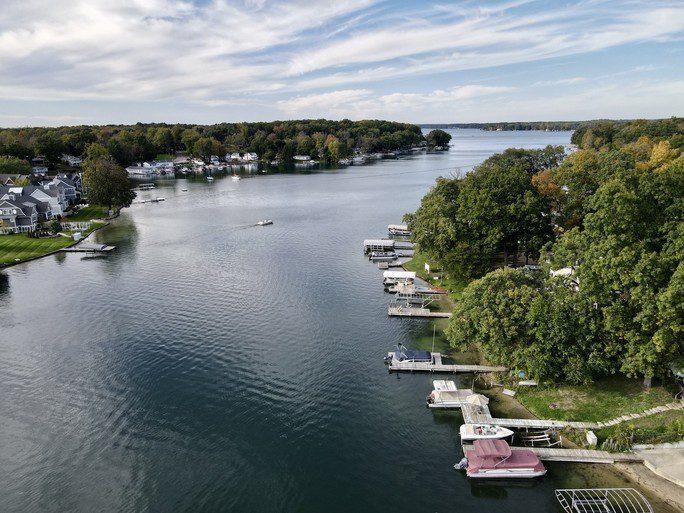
310, 57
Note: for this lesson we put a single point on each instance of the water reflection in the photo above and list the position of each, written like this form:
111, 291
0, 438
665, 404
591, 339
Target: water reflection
4, 285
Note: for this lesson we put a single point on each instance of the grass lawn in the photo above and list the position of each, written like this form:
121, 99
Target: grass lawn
22, 247
88, 213
444, 281
606, 399
164, 156
664, 427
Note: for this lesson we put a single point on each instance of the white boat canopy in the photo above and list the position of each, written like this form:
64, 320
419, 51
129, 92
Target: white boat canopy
399, 275
386, 243
397, 227
614, 500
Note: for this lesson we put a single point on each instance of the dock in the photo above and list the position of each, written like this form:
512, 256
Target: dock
409, 311
436, 365
89, 248
582, 455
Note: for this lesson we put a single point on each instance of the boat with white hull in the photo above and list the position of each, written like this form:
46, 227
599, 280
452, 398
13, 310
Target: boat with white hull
472, 432
494, 459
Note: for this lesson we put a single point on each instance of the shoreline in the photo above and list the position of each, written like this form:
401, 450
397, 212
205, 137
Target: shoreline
54, 252
655, 487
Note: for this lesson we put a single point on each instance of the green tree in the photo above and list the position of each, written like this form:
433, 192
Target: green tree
438, 137
106, 182
13, 165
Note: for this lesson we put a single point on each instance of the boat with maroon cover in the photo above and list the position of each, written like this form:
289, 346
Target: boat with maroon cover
495, 459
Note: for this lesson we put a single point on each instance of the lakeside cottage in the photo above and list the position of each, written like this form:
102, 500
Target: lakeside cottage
71, 160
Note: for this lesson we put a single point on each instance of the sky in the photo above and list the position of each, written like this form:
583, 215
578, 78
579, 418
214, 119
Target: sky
69, 62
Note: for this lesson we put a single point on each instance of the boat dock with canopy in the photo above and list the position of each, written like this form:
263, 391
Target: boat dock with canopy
378, 245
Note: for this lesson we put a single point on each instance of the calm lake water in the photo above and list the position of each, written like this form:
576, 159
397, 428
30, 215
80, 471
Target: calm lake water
212, 365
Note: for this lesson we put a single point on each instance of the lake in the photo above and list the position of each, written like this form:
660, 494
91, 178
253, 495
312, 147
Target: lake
209, 364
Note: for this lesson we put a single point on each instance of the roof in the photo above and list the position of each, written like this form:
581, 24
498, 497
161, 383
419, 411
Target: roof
397, 227
379, 242
492, 449
399, 274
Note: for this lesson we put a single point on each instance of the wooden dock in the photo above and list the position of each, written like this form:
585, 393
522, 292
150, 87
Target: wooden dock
436, 365
93, 248
409, 311
582, 455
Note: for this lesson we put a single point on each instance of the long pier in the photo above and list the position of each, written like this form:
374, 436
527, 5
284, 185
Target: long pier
409, 311
436, 365
84, 248
582, 455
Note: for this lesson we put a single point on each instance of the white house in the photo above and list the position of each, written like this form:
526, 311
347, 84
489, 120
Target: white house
214, 160
251, 157
16, 217
140, 171
235, 156
71, 160
302, 158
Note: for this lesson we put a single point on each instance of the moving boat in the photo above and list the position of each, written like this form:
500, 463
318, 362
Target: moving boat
210, 178
382, 256
235, 178
265, 222
471, 432
494, 459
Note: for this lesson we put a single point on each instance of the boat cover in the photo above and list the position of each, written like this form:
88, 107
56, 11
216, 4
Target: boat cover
492, 449
413, 354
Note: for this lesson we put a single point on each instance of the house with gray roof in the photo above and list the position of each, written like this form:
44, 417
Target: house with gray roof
17, 217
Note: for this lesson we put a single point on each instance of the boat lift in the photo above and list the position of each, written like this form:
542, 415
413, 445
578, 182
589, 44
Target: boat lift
603, 500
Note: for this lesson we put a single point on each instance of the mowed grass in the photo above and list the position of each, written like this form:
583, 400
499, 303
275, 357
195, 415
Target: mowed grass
443, 281
20, 246
88, 213
660, 428
605, 399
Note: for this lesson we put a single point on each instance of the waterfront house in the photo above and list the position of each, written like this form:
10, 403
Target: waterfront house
235, 157
39, 171
71, 160
302, 158
11, 179
70, 192
54, 196
251, 157
214, 160
16, 217
140, 171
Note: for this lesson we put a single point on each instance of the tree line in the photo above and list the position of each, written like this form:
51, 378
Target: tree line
278, 140
607, 219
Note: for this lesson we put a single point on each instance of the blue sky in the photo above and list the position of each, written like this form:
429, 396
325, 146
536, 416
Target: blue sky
124, 61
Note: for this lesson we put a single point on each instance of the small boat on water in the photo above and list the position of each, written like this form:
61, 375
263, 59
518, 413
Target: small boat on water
494, 459
235, 178
382, 256
472, 432
210, 178
184, 190
265, 222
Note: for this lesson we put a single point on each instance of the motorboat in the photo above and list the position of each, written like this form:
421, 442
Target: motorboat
446, 395
382, 256
402, 354
235, 178
265, 222
210, 178
471, 432
184, 190
494, 459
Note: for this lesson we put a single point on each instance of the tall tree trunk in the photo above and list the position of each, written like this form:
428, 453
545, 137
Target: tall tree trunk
647, 381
